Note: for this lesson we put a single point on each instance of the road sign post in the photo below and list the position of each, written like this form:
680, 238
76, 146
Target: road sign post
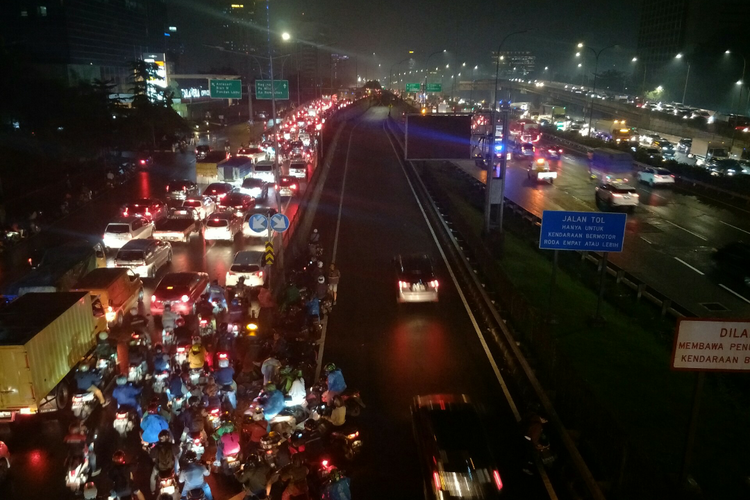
280, 89
225, 89
413, 87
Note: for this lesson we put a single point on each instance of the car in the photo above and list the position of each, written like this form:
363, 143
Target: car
147, 208
181, 189
217, 190
120, 231
415, 277
247, 264
144, 160
257, 188
663, 144
203, 206
733, 260
539, 170
237, 202
455, 461
248, 232
201, 151
728, 167
616, 194
654, 153
298, 169
287, 186
179, 226
255, 153
144, 257
180, 290
222, 226
684, 145
654, 176
525, 150
264, 170
552, 152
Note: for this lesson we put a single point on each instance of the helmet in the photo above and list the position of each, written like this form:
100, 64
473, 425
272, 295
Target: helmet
270, 387
133, 311
321, 279
118, 457
122, 380
193, 400
196, 348
223, 363
330, 367
335, 475
241, 280
252, 459
158, 348
84, 367
315, 230
89, 491
179, 321
196, 339
103, 336
167, 307
258, 414
320, 264
153, 408
164, 436
191, 457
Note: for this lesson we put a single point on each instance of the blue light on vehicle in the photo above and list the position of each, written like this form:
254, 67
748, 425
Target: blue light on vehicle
498, 147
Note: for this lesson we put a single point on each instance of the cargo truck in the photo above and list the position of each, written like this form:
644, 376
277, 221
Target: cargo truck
234, 170
611, 165
43, 336
206, 168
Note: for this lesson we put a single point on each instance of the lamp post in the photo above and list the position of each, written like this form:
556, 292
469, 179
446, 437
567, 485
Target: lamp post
596, 69
286, 37
687, 76
391, 72
741, 82
503, 156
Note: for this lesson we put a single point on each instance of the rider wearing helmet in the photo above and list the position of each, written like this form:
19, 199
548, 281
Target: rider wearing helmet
152, 424
321, 288
81, 444
315, 237
165, 455
337, 487
297, 393
137, 354
256, 427
193, 419
104, 349
224, 377
126, 394
270, 369
197, 355
88, 380
254, 476
217, 293
161, 360
227, 439
193, 475
313, 307
137, 322
274, 401
336, 383
168, 318
121, 475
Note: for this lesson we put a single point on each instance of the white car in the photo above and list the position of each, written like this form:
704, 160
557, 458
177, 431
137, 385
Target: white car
656, 176
203, 206
617, 194
222, 226
298, 169
120, 231
264, 170
253, 152
144, 257
247, 264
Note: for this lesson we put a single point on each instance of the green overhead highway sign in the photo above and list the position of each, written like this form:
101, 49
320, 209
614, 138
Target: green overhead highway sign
280, 89
225, 89
413, 87
434, 87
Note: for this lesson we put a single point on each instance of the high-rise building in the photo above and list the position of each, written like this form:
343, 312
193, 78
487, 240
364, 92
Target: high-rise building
514, 62
82, 40
662, 31
238, 33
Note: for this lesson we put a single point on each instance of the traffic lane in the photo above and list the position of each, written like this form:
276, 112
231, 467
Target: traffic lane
390, 352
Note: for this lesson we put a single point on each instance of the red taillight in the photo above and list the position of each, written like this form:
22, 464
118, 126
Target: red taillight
222, 195
222, 355
197, 441
260, 274
276, 186
125, 213
498, 480
185, 298
215, 411
121, 415
204, 322
436, 480
403, 284
324, 463
143, 162
672, 176
153, 298
180, 349
434, 283
293, 186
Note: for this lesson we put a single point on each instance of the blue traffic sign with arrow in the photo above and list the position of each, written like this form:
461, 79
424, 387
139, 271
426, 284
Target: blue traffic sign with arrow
258, 223
279, 223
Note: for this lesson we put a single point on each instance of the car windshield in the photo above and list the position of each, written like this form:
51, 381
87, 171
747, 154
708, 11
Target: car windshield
192, 203
298, 166
217, 188
203, 148
418, 267
252, 183
130, 255
117, 228
171, 292
623, 189
245, 268
449, 428
139, 209
663, 171
264, 168
178, 186
217, 223
233, 200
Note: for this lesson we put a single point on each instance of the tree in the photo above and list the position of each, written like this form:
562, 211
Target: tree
372, 84
612, 80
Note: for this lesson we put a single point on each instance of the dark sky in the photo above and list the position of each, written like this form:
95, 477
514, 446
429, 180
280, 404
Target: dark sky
469, 29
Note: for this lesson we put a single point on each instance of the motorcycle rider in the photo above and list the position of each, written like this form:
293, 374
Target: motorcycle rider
316, 271
194, 419
241, 290
161, 360
197, 355
126, 394
534, 424
138, 322
217, 293
296, 476
88, 380
152, 424
270, 370
279, 346
256, 428
137, 356
297, 392
121, 475
336, 487
254, 477
81, 444
227, 439
104, 348
224, 377
205, 309
338, 415
182, 332
273, 401
165, 455
312, 307
176, 386
321, 288
336, 383
168, 318
193, 475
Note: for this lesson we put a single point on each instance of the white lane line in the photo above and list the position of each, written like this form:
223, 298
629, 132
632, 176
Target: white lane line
516, 414
647, 241
734, 227
734, 293
341, 198
688, 265
478, 330
686, 230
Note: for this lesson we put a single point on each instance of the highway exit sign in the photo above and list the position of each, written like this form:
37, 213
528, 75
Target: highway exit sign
413, 87
280, 89
434, 87
225, 89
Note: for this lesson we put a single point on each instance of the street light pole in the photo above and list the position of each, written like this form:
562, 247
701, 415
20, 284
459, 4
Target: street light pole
687, 77
593, 87
504, 155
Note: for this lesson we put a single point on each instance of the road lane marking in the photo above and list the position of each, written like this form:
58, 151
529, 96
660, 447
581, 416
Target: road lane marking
691, 267
734, 227
341, 198
647, 241
686, 230
506, 392
734, 293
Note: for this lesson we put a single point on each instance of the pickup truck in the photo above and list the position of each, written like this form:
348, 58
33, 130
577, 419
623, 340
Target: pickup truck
178, 226
43, 336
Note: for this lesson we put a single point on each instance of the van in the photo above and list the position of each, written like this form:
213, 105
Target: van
144, 257
264, 170
247, 264
118, 290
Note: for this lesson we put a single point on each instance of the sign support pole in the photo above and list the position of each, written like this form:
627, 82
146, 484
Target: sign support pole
693, 427
552, 284
602, 276
250, 104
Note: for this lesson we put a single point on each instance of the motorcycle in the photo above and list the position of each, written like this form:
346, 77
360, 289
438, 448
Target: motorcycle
180, 355
168, 485
136, 372
159, 382
230, 462
353, 402
167, 336
269, 445
123, 422
77, 467
106, 366
213, 417
195, 443
197, 377
176, 405
205, 327
349, 444
83, 404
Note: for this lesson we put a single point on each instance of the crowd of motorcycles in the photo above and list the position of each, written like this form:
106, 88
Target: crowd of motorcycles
231, 390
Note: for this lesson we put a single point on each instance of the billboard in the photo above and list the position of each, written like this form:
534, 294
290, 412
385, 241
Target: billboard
438, 137
158, 79
711, 345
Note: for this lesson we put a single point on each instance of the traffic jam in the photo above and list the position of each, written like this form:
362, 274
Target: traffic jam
199, 379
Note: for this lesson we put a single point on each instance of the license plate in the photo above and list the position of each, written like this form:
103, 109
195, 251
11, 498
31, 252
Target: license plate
418, 288
168, 490
6, 414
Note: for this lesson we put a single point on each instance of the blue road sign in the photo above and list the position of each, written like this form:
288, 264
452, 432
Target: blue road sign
595, 231
279, 223
258, 223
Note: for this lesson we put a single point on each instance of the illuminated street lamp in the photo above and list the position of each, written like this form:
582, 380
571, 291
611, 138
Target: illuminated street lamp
687, 76
635, 59
285, 36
